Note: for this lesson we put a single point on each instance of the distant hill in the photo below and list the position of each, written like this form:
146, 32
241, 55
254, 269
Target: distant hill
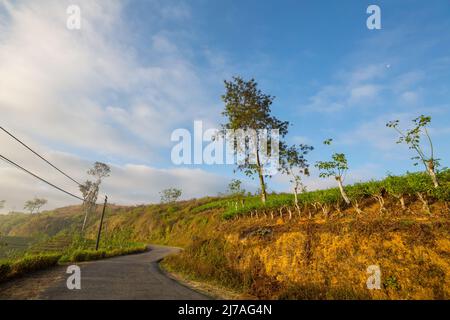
276, 251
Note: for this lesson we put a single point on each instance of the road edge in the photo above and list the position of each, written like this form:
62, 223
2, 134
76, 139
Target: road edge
213, 291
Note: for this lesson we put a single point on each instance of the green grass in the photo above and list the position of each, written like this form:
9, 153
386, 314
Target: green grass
80, 255
27, 264
14, 246
10, 269
409, 185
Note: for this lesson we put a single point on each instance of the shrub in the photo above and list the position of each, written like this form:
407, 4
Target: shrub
5, 269
33, 263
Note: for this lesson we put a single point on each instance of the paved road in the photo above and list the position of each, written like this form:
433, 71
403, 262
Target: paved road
128, 277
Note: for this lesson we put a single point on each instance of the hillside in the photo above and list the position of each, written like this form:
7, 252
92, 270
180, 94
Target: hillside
319, 250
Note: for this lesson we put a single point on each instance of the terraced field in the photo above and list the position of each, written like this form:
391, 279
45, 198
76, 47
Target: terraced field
14, 245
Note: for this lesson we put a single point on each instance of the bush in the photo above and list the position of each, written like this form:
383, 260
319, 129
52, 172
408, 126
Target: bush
27, 264
33, 263
86, 255
5, 269
80, 255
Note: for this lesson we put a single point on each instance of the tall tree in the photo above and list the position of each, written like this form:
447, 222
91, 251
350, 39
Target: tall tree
249, 109
35, 205
412, 138
337, 168
90, 189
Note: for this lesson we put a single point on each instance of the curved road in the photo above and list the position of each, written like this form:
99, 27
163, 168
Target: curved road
127, 277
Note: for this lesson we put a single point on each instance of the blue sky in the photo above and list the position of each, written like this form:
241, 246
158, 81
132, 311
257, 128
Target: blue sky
137, 70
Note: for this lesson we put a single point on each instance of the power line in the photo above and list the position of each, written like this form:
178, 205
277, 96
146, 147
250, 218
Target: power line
37, 154
37, 177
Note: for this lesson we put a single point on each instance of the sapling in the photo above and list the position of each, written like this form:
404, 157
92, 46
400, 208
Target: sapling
293, 163
90, 189
412, 138
336, 168
236, 192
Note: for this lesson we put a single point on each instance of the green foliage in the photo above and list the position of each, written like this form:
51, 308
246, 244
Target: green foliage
391, 282
334, 168
234, 188
419, 182
248, 109
27, 264
81, 255
34, 205
412, 137
11, 247
5, 270
357, 191
219, 204
395, 186
170, 195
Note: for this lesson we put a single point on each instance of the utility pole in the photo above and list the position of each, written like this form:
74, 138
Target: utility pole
101, 223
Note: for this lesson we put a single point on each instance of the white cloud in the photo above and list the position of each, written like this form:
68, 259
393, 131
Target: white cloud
351, 89
128, 184
410, 97
88, 92
363, 92
60, 84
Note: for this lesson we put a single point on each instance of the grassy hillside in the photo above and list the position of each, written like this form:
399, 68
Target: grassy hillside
319, 249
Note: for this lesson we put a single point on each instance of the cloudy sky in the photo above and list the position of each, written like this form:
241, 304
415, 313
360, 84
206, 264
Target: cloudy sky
115, 90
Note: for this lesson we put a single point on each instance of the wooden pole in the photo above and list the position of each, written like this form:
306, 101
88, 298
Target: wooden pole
101, 223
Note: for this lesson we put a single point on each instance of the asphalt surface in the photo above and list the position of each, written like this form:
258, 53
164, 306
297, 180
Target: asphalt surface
132, 277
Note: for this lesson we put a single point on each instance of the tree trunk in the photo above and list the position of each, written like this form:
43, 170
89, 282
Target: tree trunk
296, 200
263, 188
447, 207
325, 210
85, 219
261, 179
341, 189
430, 169
381, 202
402, 202
356, 206
290, 213
338, 209
425, 206
295, 196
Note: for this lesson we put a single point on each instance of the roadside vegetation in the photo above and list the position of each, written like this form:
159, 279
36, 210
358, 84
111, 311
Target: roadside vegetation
59, 250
